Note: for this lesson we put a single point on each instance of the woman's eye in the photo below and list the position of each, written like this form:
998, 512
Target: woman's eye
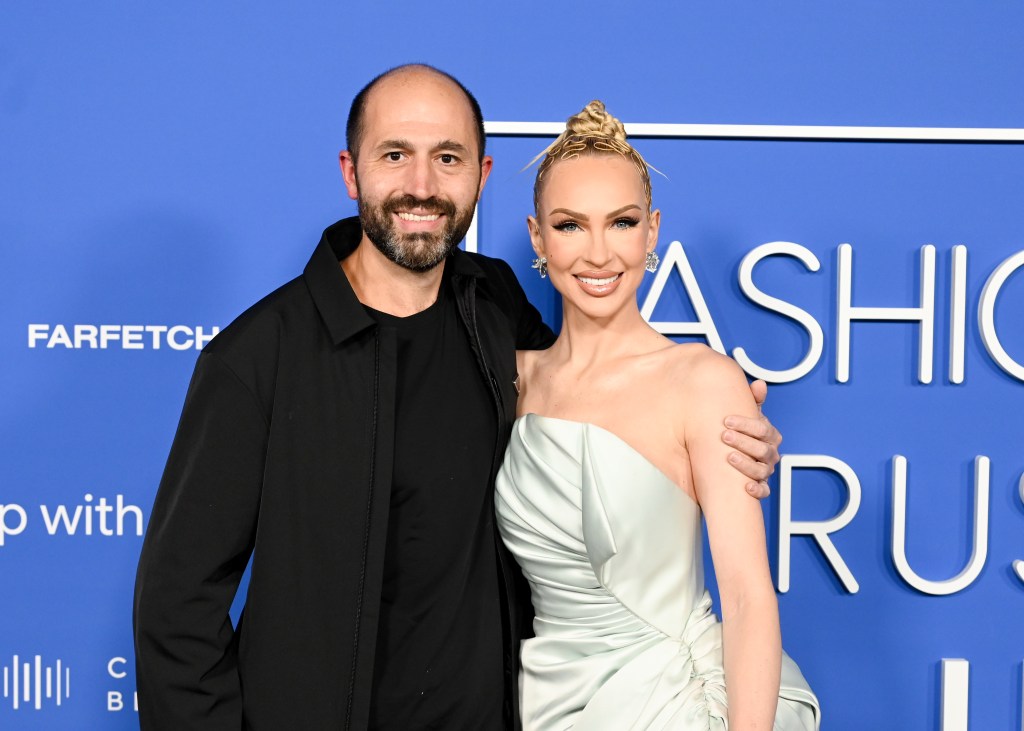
567, 226
624, 223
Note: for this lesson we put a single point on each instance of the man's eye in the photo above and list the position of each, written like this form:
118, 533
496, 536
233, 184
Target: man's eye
394, 156
448, 159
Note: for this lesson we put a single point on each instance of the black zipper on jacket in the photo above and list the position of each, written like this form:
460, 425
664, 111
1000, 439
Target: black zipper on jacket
467, 309
366, 531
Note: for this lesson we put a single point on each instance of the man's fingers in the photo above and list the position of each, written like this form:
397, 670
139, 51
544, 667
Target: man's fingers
759, 389
777, 436
756, 471
760, 490
771, 434
754, 448
759, 428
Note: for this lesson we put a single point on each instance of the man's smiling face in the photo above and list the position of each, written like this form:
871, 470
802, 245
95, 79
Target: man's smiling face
417, 174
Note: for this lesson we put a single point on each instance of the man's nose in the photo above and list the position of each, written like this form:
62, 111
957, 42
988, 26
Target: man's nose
422, 180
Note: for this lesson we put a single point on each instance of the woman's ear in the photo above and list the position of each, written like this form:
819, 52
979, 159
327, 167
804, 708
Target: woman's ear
535, 239
652, 231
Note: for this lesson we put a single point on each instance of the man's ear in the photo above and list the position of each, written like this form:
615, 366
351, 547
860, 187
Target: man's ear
347, 163
485, 171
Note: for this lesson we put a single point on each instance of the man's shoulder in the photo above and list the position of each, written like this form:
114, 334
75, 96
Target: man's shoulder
259, 327
497, 274
489, 263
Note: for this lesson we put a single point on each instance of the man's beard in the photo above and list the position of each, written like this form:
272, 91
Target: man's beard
422, 250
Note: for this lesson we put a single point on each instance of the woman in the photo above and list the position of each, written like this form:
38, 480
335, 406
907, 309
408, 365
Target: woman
613, 459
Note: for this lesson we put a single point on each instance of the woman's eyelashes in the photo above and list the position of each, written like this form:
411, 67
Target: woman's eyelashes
568, 226
622, 223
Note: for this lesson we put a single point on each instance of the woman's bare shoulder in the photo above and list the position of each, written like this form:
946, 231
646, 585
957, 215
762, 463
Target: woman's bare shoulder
700, 360
700, 373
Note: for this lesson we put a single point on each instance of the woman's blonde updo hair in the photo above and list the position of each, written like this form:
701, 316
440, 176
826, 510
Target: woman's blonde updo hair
591, 132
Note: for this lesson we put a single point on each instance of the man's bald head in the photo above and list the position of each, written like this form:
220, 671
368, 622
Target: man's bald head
356, 113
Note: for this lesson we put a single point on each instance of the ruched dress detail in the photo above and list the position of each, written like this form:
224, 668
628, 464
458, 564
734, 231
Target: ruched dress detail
624, 633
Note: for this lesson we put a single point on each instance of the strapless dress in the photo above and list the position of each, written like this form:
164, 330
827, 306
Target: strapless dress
624, 633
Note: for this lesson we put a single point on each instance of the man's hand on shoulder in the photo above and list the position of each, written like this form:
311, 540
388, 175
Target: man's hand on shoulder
756, 444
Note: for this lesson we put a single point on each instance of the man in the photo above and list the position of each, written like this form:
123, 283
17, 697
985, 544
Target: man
345, 431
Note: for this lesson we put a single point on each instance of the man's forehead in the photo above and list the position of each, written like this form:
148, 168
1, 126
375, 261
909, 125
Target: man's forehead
411, 90
420, 106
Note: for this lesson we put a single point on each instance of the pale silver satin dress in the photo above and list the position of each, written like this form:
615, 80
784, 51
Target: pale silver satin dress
625, 636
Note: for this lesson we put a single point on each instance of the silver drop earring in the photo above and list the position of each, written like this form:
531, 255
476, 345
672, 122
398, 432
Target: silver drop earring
651, 262
541, 265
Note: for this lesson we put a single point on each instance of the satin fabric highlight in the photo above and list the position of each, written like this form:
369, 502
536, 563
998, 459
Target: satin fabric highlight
625, 635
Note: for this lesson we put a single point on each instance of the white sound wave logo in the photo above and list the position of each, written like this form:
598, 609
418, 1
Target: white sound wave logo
27, 683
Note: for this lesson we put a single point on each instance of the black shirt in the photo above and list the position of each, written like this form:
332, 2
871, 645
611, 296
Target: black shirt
439, 647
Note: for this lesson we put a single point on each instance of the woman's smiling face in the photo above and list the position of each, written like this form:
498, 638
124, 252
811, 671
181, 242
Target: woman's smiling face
594, 229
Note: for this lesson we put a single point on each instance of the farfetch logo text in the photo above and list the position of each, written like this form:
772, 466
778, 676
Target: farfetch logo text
120, 337
29, 682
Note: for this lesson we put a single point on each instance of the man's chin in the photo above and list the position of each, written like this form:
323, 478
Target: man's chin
416, 256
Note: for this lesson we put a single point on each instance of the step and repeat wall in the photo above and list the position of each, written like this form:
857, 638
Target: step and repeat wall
162, 167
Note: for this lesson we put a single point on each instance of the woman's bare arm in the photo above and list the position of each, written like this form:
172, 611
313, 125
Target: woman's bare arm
715, 387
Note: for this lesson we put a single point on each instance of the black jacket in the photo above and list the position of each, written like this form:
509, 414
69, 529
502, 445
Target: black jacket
284, 451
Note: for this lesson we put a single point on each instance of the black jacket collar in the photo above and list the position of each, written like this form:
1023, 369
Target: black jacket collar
337, 303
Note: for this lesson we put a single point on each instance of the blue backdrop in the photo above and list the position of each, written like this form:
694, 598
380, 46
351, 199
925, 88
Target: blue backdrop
163, 167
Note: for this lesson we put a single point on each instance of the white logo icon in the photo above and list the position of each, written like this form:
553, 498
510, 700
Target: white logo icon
27, 683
